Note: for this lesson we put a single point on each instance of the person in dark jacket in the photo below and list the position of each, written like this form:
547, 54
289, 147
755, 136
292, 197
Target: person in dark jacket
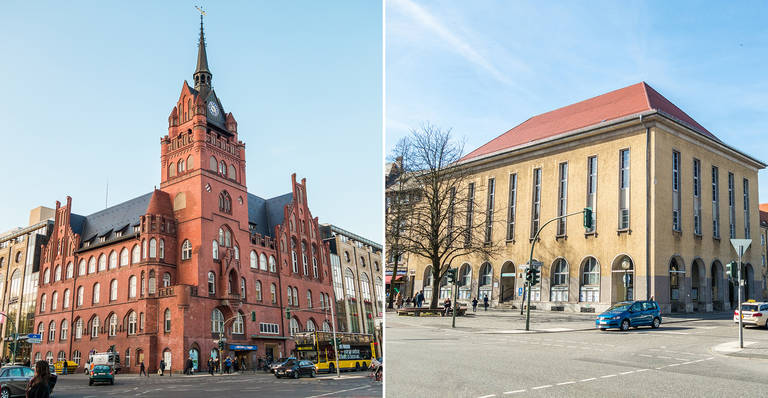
38, 386
474, 304
162, 367
142, 369
485, 302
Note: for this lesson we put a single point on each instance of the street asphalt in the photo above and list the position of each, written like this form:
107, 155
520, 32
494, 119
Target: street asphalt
353, 384
489, 354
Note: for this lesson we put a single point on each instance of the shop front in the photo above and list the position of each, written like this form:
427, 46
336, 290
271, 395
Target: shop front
244, 356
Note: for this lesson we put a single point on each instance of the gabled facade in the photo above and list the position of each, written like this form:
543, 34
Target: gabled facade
167, 274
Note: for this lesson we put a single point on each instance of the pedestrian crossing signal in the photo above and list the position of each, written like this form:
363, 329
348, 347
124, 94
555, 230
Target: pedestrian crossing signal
288, 313
730, 268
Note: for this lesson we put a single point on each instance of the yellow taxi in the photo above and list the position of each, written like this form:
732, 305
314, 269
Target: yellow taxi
753, 313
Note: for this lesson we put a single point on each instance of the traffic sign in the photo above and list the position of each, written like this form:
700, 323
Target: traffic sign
536, 263
519, 291
741, 245
34, 338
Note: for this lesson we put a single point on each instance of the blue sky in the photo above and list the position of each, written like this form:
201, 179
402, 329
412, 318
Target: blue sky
88, 87
481, 68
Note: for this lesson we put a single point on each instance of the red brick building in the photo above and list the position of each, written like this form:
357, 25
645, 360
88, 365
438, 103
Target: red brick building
159, 276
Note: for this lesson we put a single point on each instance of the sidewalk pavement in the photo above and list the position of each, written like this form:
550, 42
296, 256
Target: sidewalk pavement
752, 349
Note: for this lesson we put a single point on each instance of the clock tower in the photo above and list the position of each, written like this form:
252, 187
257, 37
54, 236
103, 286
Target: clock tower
203, 171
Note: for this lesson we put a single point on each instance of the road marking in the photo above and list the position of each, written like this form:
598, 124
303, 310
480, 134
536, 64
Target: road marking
646, 355
607, 376
566, 382
660, 368
687, 363
641, 370
515, 392
358, 388
589, 379
663, 357
484, 396
674, 364
557, 330
540, 387
626, 373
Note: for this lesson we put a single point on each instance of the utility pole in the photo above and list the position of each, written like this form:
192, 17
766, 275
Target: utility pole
740, 245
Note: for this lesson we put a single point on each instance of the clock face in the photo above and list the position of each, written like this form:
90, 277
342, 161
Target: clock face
213, 108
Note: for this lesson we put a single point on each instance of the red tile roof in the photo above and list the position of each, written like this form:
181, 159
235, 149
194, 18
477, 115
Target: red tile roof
623, 102
763, 216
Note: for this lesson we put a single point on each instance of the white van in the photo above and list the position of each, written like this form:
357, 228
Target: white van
103, 358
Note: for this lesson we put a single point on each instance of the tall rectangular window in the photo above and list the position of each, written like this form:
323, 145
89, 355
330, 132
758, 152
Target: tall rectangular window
696, 196
715, 202
536, 199
451, 211
746, 209
489, 209
676, 190
470, 210
592, 188
562, 198
624, 189
511, 209
731, 207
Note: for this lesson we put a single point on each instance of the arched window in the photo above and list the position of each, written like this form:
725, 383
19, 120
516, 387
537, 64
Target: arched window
263, 262
124, 257
102, 262
559, 283
132, 286
365, 286
62, 356
485, 279
171, 169
242, 288
215, 246
589, 290
40, 329
66, 299
190, 162
54, 301
349, 282
237, 252
326, 326
273, 292
79, 328
294, 326
237, 325
223, 168
322, 300
225, 202
166, 279
167, 318
211, 283
180, 166
153, 248
314, 267
57, 274
47, 276
232, 172
143, 284
144, 249
80, 296
309, 299
152, 282
43, 299
310, 325
76, 356
258, 291
294, 258
81, 268
296, 297
132, 322
135, 254
113, 290
52, 331
162, 248
127, 357
304, 262
213, 164
113, 260
272, 264
64, 329
290, 296
112, 321
253, 259
186, 250
95, 326
96, 292
217, 321
49, 357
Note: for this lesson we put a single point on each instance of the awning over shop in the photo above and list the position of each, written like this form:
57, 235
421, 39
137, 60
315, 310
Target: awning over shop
389, 278
242, 347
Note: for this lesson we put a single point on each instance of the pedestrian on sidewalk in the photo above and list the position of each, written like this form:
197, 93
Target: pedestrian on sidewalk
162, 367
474, 304
420, 298
228, 365
210, 366
485, 302
399, 300
142, 369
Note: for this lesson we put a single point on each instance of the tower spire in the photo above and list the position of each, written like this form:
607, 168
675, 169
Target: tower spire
202, 75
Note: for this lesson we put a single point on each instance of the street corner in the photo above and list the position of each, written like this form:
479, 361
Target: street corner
750, 349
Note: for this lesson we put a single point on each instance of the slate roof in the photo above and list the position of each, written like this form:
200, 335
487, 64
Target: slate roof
111, 218
623, 102
267, 213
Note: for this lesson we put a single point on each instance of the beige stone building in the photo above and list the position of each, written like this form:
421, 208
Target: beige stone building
19, 268
667, 196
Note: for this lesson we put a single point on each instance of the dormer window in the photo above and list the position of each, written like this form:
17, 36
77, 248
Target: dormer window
118, 234
102, 239
86, 244
136, 229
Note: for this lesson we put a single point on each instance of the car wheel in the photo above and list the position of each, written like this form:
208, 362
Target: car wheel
656, 323
625, 325
331, 368
603, 329
312, 373
90, 382
277, 375
5, 393
357, 366
296, 375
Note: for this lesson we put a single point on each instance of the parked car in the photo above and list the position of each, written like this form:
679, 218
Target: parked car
296, 369
14, 379
101, 374
628, 314
754, 314
279, 363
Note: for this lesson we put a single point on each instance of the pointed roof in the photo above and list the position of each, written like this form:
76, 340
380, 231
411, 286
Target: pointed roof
627, 101
202, 57
160, 204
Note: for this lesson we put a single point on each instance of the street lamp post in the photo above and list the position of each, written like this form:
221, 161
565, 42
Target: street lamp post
221, 346
625, 265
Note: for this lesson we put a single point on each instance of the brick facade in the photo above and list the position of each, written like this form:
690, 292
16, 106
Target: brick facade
183, 255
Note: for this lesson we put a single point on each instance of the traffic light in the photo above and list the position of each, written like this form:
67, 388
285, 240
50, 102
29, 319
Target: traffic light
528, 275
534, 276
221, 345
588, 218
288, 313
451, 275
730, 268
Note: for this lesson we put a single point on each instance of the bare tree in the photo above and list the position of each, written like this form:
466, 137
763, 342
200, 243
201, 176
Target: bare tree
398, 209
443, 221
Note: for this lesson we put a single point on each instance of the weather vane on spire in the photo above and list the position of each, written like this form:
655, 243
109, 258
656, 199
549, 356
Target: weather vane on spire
201, 10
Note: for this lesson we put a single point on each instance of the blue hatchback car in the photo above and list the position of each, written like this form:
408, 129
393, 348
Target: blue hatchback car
628, 314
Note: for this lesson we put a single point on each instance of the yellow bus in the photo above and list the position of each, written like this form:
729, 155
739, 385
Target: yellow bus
356, 350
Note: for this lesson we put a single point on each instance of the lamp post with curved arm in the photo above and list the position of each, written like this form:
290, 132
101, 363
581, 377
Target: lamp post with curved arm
221, 346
